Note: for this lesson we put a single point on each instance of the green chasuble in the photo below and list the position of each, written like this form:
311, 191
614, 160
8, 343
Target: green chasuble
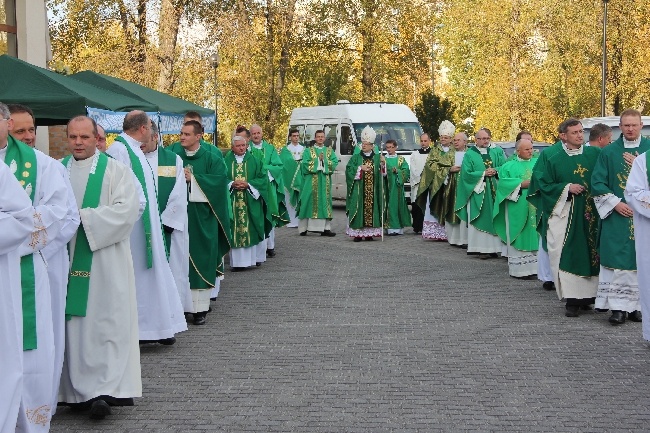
580, 252
522, 221
291, 175
316, 193
397, 174
274, 194
364, 203
250, 224
166, 181
534, 196
432, 184
208, 222
481, 204
616, 234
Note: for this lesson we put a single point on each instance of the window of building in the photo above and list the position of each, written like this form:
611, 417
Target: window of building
8, 27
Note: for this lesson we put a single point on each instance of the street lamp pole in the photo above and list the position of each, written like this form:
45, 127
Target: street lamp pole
604, 65
214, 61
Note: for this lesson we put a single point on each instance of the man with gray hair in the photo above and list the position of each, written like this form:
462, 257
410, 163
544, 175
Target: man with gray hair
600, 135
455, 228
247, 185
45, 187
160, 313
208, 217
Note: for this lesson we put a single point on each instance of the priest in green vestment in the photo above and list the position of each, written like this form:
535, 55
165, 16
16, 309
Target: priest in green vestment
534, 197
365, 195
208, 216
572, 234
434, 195
177, 148
618, 288
247, 186
456, 229
291, 156
514, 217
397, 174
475, 195
315, 203
274, 194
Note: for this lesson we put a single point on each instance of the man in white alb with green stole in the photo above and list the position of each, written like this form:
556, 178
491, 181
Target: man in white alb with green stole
475, 195
208, 216
172, 206
315, 201
102, 357
247, 182
43, 184
16, 224
618, 288
455, 228
514, 218
160, 312
572, 235
291, 156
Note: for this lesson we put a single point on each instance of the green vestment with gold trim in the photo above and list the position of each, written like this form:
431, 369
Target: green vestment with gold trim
208, 222
397, 212
579, 253
432, 184
316, 192
274, 194
364, 204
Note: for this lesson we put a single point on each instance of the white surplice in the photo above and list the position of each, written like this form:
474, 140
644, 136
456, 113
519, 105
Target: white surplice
102, 355
160, 313
175, 216
457, 233
50, 204
58, 266
16, 223
637, 196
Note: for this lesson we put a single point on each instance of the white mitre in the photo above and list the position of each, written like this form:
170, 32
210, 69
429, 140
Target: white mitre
368, 135
446, 128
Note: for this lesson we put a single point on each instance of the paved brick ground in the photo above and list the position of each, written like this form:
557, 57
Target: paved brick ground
399, 336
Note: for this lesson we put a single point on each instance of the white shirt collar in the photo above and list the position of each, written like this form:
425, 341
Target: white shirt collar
391, 156
239, 158
191, 152
367, 153
634, 143
483, 150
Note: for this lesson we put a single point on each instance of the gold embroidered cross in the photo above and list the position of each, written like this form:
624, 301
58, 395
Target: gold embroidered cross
580, 170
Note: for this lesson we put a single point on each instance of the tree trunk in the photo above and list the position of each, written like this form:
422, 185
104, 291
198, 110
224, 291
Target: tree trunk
170, 18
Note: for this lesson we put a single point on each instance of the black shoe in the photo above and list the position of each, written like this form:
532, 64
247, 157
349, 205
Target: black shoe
199, 318
114, 401
328, 233
548, 285
237, 269
634, 316
369, 238
617, 317
167, 341
147, 341
258, 264
601, 310
213, 299
495, 255
99, 410
586, 307
357, 239
303, 233
270, 253
572, 311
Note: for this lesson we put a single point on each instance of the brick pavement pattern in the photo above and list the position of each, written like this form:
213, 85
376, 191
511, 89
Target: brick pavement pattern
400, 336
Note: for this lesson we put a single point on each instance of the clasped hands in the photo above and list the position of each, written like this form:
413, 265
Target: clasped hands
490, 172
239, 184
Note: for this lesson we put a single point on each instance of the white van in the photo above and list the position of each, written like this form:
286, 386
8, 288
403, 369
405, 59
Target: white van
613, 122
343, 124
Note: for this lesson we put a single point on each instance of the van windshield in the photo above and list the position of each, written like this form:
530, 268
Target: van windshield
407, 134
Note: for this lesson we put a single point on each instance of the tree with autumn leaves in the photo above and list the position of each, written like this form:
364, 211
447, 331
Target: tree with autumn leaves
505, 64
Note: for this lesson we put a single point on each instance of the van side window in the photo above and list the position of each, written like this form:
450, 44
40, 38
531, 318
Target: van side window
347, 145
330, 136
310, 133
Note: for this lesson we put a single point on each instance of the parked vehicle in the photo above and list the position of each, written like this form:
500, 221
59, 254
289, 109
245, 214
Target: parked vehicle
613, 121
343, 124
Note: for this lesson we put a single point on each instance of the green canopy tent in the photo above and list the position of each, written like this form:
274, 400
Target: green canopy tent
171, 109
56, 98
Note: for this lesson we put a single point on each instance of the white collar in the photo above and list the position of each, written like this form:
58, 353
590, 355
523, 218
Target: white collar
630, 144
392, 156
572, 152
482, 150
445, 148
192, 152
132, 141
367, 153
258, 146
240, 158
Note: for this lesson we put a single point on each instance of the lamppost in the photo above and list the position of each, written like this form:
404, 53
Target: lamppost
214, 61
604, 66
